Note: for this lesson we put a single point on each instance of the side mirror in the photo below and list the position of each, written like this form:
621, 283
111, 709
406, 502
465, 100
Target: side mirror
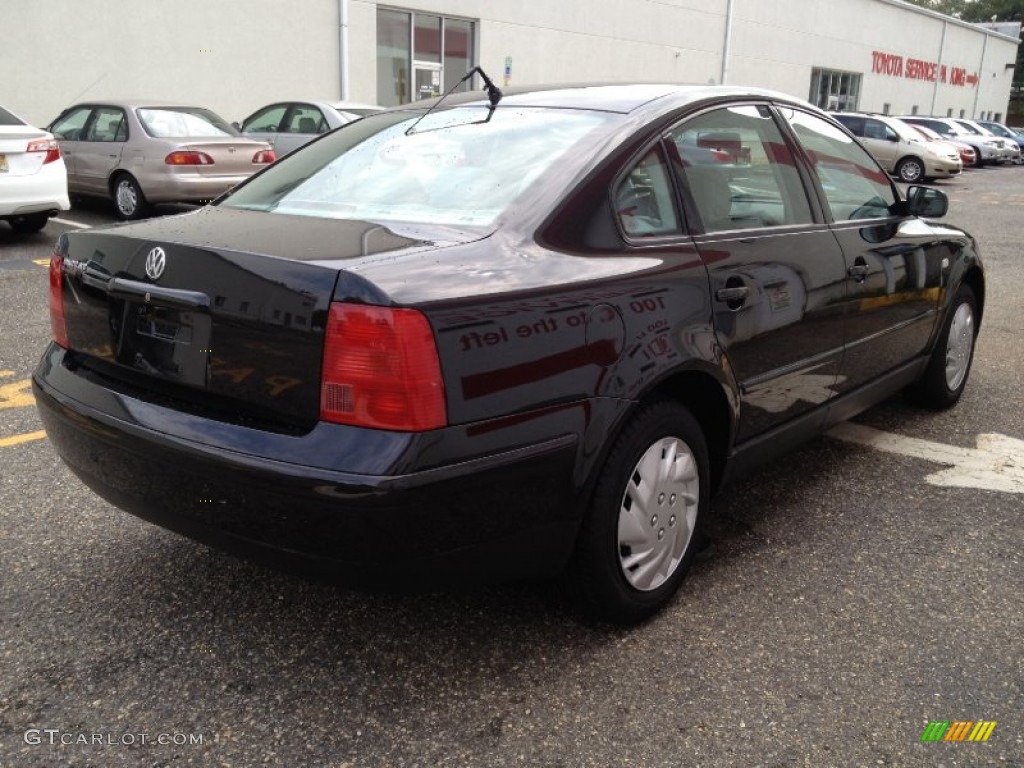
927, 202
236, 125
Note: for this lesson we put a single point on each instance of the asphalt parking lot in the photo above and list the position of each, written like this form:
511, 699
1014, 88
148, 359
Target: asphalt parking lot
852, 597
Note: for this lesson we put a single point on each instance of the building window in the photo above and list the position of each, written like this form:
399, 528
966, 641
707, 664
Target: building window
835, 91
887, 108
962, 113
420, 55
998, 117
949, 112
913, 109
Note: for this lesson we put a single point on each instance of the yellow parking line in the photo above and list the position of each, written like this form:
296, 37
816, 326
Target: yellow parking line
41, 262
17, 394
7, 442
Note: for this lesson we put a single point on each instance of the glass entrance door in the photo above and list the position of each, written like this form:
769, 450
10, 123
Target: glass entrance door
427, 82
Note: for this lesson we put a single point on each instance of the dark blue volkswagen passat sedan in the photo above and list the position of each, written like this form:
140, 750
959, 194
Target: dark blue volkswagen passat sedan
496, 340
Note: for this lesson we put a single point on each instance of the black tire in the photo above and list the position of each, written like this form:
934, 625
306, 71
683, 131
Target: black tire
950, 365
129, 202
609, 586
30, 223
910, 170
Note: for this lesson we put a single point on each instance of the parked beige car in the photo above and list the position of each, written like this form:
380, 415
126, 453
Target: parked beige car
138, 153
902, 152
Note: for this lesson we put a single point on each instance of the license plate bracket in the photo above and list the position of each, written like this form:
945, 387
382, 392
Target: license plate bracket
172, 344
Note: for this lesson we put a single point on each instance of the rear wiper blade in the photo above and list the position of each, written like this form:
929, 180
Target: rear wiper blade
493, 95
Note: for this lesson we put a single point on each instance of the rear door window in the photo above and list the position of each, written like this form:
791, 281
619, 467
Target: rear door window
305, 118
876, 129
108, 125
738, 171
854, 124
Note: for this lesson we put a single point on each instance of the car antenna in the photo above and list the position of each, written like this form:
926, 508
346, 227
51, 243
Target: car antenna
493, 95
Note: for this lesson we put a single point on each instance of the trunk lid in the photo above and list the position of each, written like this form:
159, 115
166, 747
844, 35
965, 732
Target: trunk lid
14, 160
219, 310
231, 157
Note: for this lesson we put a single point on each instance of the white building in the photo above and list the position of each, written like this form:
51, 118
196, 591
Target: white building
236, 55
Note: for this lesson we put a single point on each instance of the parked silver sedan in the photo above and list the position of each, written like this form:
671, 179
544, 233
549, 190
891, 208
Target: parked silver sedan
287, 125
139, 153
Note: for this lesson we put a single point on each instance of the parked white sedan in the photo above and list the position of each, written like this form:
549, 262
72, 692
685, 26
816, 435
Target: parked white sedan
33, 178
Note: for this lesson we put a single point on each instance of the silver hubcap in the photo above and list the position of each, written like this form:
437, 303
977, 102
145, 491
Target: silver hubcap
127, 200
959, 346
658, 513
911, 171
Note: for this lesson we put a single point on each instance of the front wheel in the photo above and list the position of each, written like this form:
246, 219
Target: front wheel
128, 198
946, 375
909, 170
644, 519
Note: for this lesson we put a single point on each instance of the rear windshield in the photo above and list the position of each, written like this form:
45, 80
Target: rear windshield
183, 123
455, 167
6, 118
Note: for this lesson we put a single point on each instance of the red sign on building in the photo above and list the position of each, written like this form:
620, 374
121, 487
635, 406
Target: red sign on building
894, 65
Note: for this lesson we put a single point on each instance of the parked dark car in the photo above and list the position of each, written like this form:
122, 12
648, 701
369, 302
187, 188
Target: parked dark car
458, 342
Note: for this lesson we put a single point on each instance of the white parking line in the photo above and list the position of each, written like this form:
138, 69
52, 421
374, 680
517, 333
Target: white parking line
70, 223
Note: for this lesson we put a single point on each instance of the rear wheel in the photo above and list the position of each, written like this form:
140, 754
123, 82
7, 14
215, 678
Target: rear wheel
946, 376
128, 198
643, 523
31, 223
909, 170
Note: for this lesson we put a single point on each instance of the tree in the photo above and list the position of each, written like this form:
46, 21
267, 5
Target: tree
983, 11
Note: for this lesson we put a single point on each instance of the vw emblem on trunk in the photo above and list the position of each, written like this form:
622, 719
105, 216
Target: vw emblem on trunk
156, 260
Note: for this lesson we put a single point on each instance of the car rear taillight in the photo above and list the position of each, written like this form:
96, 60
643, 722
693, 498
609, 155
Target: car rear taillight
188, 157
49, 146
264, 156
57, 324
381, 370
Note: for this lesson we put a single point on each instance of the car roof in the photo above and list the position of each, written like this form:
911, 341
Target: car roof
134, 104
343, 105
607, 97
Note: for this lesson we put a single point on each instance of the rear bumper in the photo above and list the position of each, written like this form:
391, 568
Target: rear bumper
507, 514
45, 191
184, 185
